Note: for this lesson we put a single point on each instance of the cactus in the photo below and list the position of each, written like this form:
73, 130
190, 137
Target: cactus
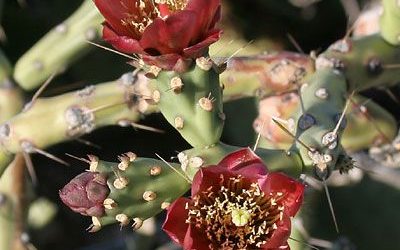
192, 102
47, 57
129, 202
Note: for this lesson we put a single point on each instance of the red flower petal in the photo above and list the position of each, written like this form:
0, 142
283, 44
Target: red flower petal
208, 12
280, 235
244, 162
208, 177
114, 11
198, 49
291, 189
171, 35
175, 224
195, 240
124, 44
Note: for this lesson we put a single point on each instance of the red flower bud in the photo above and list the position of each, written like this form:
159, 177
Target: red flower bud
86, 193
236, 205
166, 33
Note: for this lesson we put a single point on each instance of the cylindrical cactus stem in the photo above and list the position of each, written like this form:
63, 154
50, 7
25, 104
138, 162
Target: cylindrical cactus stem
128, 192
275, 160
192, 102
319, 122
390, 21
7, 206
11, 102
60, 47
73, 114
367, 123
367, 62
265, 74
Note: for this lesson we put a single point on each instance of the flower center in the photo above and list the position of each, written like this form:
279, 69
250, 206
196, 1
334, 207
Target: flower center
240, 217
237, 216
141, 13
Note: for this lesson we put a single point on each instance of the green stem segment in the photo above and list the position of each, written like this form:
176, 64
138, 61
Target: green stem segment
390, 21
60, 47
192, 102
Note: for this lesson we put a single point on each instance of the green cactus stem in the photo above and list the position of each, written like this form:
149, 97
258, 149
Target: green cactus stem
366, 62
390, 21
192, 102
265, 74
367, 123
60, 47
318, 122
73, 114
6, 211
140, 188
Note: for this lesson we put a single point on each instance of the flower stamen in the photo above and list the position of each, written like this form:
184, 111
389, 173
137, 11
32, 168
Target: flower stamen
237, 216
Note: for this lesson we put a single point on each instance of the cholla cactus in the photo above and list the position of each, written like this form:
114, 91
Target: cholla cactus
311, 118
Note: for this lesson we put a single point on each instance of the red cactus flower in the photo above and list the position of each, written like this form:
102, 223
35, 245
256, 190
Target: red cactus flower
236, 205
86, 193
166, 33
